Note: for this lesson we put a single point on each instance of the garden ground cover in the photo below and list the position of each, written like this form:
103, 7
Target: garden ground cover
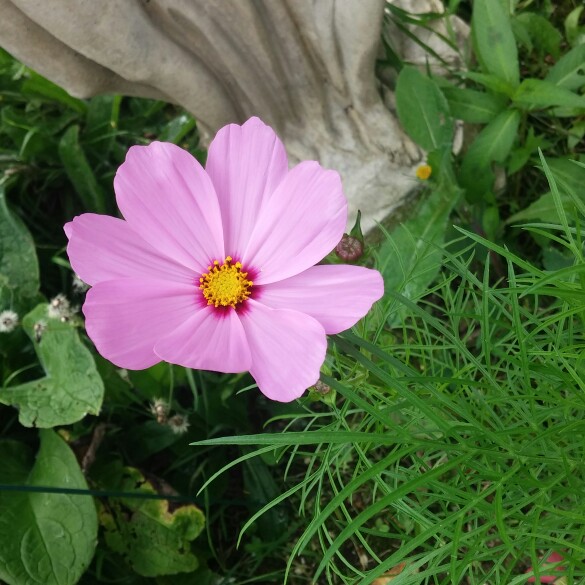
444, 443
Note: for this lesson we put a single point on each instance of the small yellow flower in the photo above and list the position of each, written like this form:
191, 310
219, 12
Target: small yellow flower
423, 172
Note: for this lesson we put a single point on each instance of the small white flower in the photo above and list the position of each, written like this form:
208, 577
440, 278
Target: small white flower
179, 424
8, 321
160, 408
60, 308
78, 285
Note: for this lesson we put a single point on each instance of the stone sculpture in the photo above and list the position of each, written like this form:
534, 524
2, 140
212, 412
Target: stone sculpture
306, 67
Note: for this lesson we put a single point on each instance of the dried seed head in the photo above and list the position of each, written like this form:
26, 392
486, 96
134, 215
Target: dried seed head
349, 248
8, 321
179, 424
160, 409
60, 308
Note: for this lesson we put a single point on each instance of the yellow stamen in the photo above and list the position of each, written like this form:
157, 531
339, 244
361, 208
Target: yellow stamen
423, 172
225, 285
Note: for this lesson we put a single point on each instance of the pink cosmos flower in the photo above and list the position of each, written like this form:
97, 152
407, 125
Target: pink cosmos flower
215, 269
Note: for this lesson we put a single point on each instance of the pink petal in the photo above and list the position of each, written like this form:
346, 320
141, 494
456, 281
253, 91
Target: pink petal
299, 225
125, 318
553, 573
208, 340
288, 349
168, 199
246, 164
338, 296
105, 248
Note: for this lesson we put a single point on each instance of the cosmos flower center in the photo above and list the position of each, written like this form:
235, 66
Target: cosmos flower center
225, 285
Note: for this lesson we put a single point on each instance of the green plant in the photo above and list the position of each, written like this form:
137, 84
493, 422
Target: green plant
452, 452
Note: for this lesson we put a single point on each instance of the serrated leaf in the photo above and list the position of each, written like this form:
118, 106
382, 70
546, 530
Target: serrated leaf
569, 71
79, 171
422, 110
19, 267
537, 93
72, 386
472, 106
494, 40
410, 258
153, 540
492, 144
46, 538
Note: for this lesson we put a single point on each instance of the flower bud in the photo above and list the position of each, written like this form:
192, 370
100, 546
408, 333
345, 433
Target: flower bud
349, 248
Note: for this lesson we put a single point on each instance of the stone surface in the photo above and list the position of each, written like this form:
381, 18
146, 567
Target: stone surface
306, 67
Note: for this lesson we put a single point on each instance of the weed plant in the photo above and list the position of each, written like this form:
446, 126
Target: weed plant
453, 450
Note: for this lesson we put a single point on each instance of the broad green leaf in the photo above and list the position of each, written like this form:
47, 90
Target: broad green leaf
554, 259
543, 209
494, 40
569, 71
38, 86
472, 106
569, 178
45, 538
537, 93
79, 171
101, 123
492, 144
147, 438
153, 540
574, 32
410, 257
260, 485
72, 386
521, 34
522, 153
490, 82
575, 134
177, 128
19, 267
543, 35
423, 110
